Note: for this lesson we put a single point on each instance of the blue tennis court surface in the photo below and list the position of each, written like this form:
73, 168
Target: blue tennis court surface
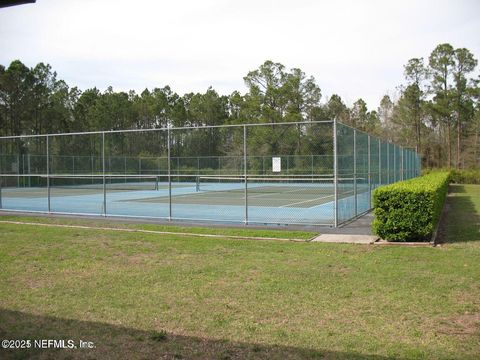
311, 204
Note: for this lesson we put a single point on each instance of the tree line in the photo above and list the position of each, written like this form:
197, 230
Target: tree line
437, 110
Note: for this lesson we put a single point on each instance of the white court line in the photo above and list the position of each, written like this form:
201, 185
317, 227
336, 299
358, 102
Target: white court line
306, 201
324, 197
280, 192
313, 207
228, 194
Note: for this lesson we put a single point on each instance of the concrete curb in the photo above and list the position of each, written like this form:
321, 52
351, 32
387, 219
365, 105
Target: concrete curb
346, 239
402, 243
365, 240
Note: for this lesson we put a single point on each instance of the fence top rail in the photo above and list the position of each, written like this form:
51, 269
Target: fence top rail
167, 129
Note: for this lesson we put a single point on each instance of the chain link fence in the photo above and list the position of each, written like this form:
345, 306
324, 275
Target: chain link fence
310, 173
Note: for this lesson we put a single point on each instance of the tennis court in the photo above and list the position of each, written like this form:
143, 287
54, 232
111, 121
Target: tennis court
312, 173
282, 192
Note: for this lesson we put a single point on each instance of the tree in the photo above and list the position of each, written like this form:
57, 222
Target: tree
385, 111
413, 97
15, 100
266, 87
441, 63
276, 95
279, 95
464, 63
362, 119
336, 109
83, 110
303, 96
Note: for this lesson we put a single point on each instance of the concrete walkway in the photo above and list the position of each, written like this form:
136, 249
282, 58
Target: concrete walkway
359, 226
358, 231
346, 238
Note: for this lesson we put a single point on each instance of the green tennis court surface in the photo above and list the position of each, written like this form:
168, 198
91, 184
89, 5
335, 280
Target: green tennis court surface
266, 197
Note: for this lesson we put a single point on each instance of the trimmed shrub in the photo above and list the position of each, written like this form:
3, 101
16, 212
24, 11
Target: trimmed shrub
465, 176
409, 210
459, 176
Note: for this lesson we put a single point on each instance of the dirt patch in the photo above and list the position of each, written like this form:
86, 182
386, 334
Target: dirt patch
461, 325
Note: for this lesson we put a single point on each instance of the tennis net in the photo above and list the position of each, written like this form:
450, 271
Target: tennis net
299, 184
112, 182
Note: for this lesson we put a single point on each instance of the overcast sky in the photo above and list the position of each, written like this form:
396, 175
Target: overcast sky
354, 48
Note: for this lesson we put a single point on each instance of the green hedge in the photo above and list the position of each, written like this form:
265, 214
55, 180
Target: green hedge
464, 176
409, 210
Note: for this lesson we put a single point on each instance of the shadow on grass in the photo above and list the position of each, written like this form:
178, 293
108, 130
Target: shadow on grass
461, 222
118, 342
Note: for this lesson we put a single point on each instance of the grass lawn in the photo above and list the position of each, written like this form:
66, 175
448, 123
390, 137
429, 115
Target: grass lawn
147, 296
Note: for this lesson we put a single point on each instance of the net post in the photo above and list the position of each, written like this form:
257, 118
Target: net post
355, 170
245, 171
369, 177
103, 176
335, 174
48, 175
169, 177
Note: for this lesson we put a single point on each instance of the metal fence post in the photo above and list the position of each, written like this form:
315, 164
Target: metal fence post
395, 155
18, 170
29, 170
48, 175
335, 174
388, 163
355, 169
401, 163
369, 177
379, 162
103, 176
245, 171
169, 177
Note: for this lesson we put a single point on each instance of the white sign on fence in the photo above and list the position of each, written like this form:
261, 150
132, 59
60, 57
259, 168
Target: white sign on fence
276, 164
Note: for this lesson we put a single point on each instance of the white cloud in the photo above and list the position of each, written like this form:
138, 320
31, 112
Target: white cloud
353, 48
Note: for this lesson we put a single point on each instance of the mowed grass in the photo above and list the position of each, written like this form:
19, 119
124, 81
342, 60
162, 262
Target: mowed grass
142, 296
